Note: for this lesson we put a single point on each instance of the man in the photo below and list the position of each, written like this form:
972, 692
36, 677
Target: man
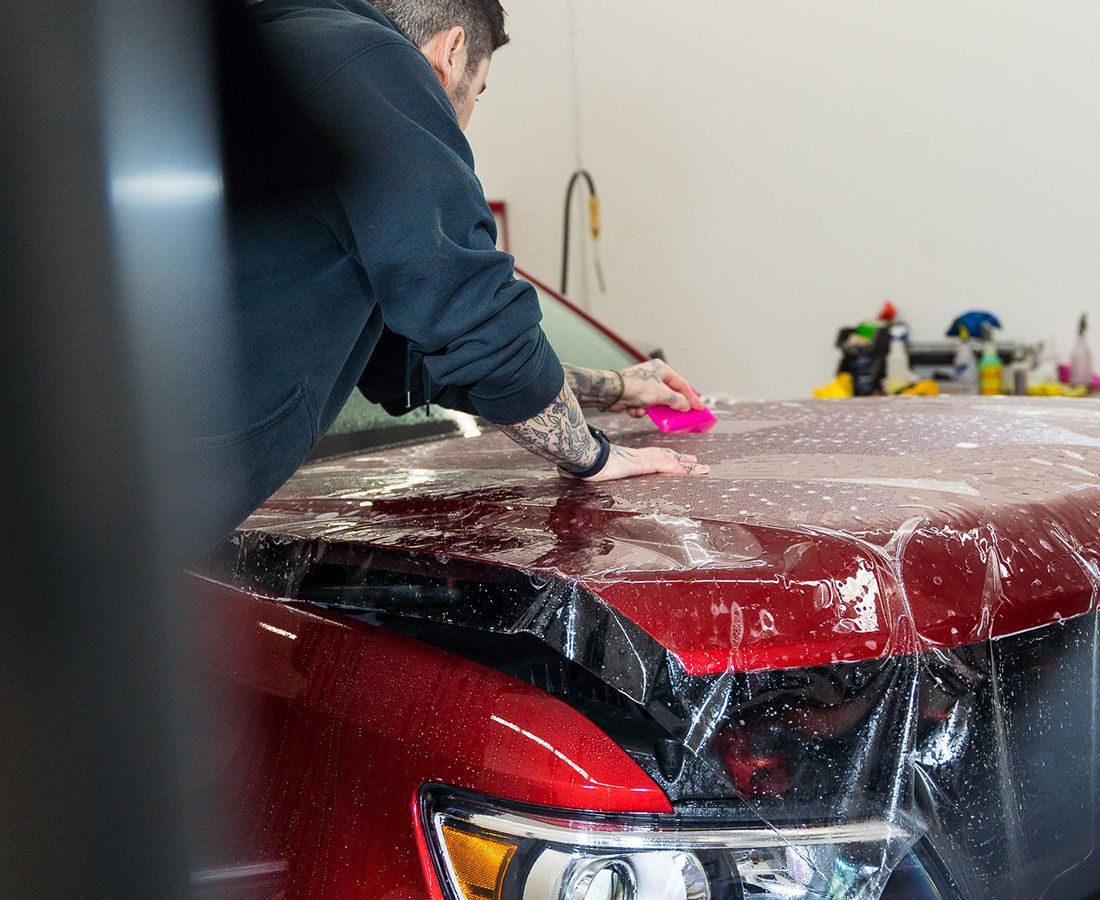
391, 278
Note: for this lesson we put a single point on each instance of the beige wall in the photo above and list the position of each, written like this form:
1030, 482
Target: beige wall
523, 130
771, 170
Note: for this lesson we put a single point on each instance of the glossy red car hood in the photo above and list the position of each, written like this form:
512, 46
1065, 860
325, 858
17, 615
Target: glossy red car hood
827, 531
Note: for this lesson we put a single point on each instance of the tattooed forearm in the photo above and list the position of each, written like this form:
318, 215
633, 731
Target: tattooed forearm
559, 433
594, 387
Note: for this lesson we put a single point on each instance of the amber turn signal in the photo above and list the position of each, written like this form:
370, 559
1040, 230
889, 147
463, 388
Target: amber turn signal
478, 862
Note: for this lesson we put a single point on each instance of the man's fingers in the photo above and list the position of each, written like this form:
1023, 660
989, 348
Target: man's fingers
682, 467
655, 383
677, 401
693, 469
682, 457
674, 463
678, 384
637, 412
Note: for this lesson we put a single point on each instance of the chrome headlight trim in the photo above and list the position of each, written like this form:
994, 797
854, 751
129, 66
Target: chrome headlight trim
677, 835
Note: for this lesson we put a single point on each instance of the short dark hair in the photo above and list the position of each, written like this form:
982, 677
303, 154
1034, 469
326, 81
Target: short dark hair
422, 20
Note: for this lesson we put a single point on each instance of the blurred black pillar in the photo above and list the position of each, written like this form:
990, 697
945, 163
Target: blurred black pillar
110, 293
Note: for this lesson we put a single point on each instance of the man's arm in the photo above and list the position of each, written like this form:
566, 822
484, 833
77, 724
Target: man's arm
560, 434
595, 387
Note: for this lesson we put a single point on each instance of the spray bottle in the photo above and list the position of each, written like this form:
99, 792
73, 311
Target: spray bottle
1080, 367
898, 373
966, 366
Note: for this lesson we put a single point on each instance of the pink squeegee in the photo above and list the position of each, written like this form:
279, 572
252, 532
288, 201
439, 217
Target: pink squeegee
668, 419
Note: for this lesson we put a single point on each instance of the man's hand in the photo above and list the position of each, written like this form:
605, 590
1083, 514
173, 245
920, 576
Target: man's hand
560, 434
655, 383
652, 383
625, 462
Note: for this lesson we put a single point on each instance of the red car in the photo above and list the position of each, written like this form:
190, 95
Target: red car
858, 660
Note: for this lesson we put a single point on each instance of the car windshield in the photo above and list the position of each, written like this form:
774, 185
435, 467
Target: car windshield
363, 425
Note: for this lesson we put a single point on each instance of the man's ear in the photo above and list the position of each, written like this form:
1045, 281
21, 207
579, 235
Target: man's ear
443, 51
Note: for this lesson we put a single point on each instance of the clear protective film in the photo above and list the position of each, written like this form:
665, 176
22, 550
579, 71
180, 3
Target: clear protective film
870, 611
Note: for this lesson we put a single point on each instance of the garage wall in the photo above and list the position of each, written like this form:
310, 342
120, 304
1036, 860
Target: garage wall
771, 170
524, 130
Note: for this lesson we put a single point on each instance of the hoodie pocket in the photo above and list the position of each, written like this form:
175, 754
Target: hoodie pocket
242, 468
300, 399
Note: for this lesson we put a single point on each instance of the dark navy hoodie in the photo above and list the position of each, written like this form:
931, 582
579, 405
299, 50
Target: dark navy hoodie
404, 243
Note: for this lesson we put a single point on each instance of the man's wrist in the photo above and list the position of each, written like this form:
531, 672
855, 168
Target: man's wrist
596, 464
618, 376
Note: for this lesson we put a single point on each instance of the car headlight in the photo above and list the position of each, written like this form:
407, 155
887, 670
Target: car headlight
485, 850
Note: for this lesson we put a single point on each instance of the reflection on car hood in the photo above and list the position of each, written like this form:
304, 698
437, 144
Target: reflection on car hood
821, 528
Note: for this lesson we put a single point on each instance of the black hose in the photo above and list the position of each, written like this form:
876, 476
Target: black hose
587, 176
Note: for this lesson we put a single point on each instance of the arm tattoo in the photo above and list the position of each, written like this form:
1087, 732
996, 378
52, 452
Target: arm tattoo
592, 387
559, 433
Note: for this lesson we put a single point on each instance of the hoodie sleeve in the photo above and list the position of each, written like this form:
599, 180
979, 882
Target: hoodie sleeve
426, 238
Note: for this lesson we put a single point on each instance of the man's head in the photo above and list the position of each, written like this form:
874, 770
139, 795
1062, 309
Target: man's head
458, 37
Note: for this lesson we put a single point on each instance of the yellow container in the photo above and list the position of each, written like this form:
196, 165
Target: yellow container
993, 379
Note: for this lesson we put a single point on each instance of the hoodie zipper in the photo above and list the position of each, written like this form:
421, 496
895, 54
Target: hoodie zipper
425, 380
408, 377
